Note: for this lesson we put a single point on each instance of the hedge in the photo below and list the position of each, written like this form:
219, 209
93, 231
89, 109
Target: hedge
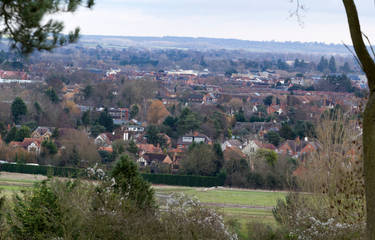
42, 170
182, 180
167, 179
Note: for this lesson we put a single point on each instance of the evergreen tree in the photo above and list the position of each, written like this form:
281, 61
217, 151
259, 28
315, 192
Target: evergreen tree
18, 109
346, 68
23, 22
23, 132
86, 118
131, 184
322, 65
273, 137
106, 120
52, 95
286, 132
240, 116
132, 147
11, 136
268, 100
134, 111
332, 65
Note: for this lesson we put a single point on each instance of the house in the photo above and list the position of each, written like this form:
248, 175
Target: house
135, 128
177, 155
186, 140
252, 146
148, 148
298, 148
289, 147
32, 145
42, 132
154, 158
103, 140
195, 98
308, 148
106, 139
231, 143
233, 153
209, 98
119, 115
274, 109
269, 146
106, 149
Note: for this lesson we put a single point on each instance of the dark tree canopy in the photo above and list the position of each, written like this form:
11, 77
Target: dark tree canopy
332, 65
18, 109
268, 100
22, 23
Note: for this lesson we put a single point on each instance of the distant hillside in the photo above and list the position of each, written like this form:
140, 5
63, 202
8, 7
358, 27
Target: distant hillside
213, 43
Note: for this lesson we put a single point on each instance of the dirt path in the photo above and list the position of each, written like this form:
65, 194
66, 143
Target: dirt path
229, 205
18, 176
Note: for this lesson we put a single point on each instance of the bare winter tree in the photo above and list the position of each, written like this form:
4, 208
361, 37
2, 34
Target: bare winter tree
367, 64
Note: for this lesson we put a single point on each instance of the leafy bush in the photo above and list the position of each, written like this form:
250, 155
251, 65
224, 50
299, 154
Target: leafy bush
57, 209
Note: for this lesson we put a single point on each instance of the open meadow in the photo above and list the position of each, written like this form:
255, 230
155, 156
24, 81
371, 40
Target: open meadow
240, 205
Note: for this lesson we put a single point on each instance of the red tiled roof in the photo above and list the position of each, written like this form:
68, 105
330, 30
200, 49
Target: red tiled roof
149, 148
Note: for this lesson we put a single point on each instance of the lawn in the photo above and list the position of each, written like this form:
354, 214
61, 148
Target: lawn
228, 196
240, 205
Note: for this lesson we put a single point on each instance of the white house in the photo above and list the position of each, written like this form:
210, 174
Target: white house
251, 147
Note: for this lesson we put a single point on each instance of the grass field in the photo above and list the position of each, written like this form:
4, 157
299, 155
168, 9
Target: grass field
241, 205
235, 204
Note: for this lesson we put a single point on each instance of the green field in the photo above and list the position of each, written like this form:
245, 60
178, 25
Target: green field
227, 196
241, 205
234, 204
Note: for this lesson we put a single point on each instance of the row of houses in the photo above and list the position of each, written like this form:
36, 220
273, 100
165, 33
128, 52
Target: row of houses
294, 148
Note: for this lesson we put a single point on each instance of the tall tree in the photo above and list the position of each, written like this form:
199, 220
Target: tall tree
18, 108
26, 26
23, 132
368, 66
130, 184
346, 68
134, 111
323, 64
106, 120
268, 100
332, 65
157, 112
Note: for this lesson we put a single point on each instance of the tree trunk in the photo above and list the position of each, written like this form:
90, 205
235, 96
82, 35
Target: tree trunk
369, 163
368, 66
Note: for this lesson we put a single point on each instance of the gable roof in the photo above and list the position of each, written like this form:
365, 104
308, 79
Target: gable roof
149, 148
26, 142
42, 130
155, 157
233, 153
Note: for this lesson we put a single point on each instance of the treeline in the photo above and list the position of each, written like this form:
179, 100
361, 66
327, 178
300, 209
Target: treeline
167, 179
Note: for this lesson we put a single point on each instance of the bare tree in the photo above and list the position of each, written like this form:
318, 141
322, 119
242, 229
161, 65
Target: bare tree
367, 64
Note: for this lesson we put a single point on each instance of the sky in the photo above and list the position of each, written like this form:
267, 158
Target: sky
259, 20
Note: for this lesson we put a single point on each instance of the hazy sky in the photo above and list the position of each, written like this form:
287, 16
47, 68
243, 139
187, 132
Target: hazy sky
324, 20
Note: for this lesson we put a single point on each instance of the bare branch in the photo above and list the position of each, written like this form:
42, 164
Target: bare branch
368, 40
361, 50
354, 55
297, 11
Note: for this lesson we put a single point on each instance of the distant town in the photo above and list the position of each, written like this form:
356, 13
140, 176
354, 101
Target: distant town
82, 105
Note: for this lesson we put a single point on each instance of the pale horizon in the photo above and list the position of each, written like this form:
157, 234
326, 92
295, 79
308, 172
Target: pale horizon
324, 21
